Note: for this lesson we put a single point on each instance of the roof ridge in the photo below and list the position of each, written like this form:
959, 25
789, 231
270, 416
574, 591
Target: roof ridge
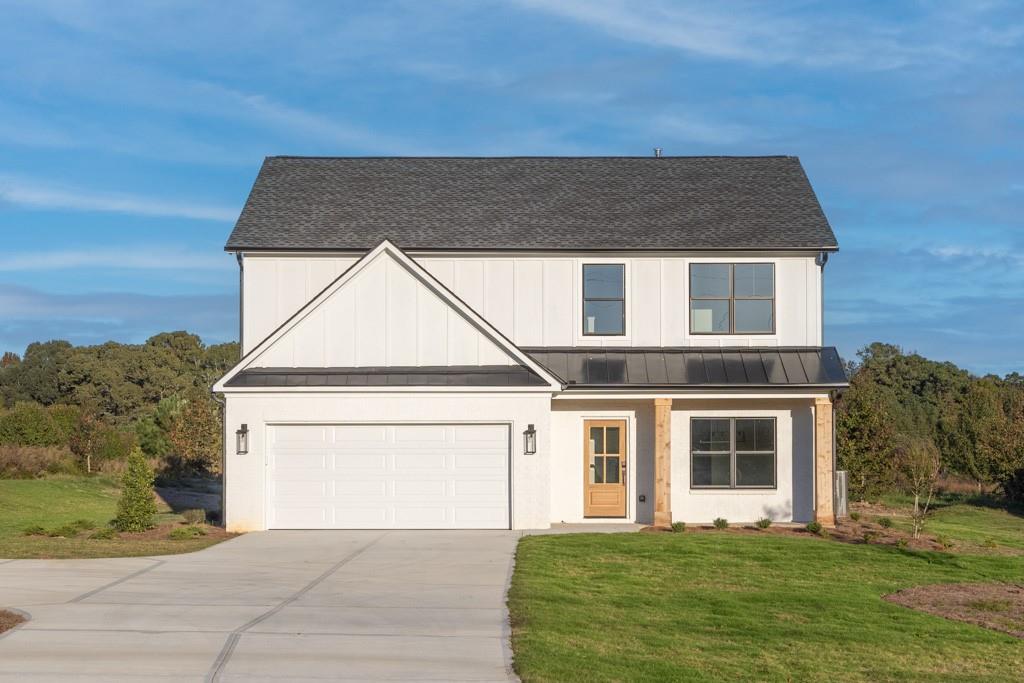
542, 156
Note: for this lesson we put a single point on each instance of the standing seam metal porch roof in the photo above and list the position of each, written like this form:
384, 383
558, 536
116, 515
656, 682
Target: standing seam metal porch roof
625, 368
532, 203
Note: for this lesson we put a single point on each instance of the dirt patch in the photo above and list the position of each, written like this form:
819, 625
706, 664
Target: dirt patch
998, 606
9, 620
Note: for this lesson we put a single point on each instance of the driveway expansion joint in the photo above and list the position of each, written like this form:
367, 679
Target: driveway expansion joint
95, 591
229, 646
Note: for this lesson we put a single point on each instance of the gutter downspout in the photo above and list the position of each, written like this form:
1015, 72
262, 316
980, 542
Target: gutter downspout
241, 301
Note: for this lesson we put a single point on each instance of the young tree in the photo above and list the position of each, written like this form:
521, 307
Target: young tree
137, 506
918, 464
195, 435
85, 439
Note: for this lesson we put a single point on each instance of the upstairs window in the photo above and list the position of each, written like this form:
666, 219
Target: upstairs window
604, 299
732, 298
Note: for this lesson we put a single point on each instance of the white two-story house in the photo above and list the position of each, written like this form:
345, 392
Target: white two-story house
516, 342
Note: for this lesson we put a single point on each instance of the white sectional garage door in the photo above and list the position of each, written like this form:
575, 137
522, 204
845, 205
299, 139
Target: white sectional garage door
388, 476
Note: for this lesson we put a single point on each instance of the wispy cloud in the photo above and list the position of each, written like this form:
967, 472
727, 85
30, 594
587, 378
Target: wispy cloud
46, 196
776, 33
144, 257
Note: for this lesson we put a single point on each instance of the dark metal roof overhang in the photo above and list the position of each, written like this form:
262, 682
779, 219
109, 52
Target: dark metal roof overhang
407, 376
694, 367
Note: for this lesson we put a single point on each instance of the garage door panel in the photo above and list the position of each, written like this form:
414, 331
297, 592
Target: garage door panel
363, 434
481, 434
475, 461
389, 476
286, 517
360, 487
421, 488
420, 461
361, 517
495, 488
418, 436
300, 489
364, 460
299, 435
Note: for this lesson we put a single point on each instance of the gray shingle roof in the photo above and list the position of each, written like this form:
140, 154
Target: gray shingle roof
532, 203
694, 367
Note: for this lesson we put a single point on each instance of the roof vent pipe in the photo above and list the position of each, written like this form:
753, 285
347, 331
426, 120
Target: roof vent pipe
657, 152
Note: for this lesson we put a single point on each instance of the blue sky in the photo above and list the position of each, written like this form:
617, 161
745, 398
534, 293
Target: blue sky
130, 133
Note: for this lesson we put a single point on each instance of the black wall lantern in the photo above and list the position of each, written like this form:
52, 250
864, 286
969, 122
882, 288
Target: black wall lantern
242, 440
530, 440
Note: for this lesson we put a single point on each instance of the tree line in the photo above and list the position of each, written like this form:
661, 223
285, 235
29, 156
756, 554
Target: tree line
899, 403
95, 403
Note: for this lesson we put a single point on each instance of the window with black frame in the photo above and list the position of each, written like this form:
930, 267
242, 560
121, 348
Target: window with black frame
732, 452
732, 298
604, 299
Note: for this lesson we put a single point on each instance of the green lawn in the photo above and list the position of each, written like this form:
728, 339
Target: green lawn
52, 503
974, 527
732, 607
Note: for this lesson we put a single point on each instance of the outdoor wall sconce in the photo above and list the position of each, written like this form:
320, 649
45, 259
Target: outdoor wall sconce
530, 440
242, 440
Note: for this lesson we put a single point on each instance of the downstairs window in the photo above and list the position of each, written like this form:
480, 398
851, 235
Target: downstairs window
732, 452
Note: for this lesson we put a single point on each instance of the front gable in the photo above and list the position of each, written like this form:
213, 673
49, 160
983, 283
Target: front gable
386, 312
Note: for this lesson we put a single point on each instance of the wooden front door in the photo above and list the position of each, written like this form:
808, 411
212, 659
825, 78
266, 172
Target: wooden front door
604, 468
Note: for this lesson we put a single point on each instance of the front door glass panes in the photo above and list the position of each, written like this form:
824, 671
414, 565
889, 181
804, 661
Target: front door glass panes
605, 455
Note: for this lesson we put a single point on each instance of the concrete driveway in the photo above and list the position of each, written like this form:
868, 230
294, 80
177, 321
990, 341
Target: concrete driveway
283, 605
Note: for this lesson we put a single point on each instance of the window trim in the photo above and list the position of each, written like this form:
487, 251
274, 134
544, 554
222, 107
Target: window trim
731, 299
732, 486
584, 299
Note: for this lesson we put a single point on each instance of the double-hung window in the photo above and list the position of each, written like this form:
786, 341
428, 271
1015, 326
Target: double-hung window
732, 298
732, 452
604, 299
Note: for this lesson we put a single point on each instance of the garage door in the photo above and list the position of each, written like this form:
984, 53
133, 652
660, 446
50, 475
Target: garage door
424, 476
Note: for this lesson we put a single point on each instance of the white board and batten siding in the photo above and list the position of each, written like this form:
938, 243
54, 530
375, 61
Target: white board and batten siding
382, 317
535, 301
388, 476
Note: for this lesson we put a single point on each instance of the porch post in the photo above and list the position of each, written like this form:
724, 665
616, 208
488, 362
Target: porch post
662, 462
823, 474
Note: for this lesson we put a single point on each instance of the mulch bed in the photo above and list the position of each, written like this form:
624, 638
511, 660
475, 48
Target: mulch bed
160, 532
9, 620
998, 606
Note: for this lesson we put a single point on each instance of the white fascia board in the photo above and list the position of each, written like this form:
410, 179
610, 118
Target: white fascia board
427, 280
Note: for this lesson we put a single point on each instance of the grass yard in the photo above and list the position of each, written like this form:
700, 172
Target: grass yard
52, 503
737, 607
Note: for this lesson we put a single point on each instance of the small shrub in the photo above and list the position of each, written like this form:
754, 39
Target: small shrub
870, 536
137, 506
721, 523
679, 527
85, 524
944, 542
814, 527
855, 516
104, 534
34, 530
884, 522
195, 516
183, 533
901, 543
990, 543
64, 531
764, 523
